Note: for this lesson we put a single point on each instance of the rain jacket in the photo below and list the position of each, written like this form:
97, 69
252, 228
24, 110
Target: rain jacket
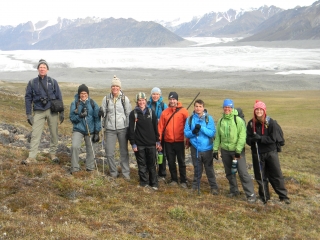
93, 119
203, 141
116, 116
158, 106
230, 136
35, 91
174, 132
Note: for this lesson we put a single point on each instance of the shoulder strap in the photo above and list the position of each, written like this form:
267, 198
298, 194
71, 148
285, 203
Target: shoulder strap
235, 119
162, 105
45, 89
206, 118
92, 103
53, 86
190, 121
107, 101
177, 110
123, 101
136, 117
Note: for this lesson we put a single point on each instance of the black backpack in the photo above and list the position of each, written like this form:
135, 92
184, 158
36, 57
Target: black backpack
279, 134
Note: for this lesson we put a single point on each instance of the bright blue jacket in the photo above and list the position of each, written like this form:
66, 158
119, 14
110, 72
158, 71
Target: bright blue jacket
158, 108
204, 140
93, 119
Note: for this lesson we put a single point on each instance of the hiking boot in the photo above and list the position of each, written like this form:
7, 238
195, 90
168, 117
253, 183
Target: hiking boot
28, 161
173, 183
162, 179
286, 200
155, 188
231, 195
54, 159
183, 185
214, 191
251, 199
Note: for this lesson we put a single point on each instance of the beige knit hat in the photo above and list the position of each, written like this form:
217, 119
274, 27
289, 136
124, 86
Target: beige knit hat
116, 81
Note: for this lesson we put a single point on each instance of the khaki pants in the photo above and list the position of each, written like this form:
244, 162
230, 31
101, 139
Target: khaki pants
37, 128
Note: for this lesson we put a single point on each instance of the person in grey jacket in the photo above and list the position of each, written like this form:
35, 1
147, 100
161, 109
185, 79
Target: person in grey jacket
84, 115
115, 109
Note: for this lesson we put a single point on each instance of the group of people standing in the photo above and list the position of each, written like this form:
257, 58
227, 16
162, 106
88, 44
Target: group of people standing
154, 127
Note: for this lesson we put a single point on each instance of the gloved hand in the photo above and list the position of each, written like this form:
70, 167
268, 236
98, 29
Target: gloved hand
30, 119
215, 155
83, 113
237, 155
61, 117
95, 137
196, 129
256, 138
101, 113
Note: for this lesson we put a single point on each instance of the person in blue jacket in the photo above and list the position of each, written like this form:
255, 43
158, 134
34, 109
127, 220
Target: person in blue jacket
84, 115
200, 130
157, 105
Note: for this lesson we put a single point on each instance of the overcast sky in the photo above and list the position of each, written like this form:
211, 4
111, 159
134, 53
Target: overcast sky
13, 12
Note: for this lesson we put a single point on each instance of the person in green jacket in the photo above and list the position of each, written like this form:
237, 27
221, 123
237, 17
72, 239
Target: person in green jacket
231, 139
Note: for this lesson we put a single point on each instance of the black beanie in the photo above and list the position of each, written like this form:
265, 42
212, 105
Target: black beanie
173, 95
83, 88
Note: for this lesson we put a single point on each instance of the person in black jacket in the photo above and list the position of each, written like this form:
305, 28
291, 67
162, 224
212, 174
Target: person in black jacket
144, 139
261, 131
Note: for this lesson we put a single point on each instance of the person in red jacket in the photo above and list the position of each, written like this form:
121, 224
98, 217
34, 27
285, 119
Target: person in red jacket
171, 131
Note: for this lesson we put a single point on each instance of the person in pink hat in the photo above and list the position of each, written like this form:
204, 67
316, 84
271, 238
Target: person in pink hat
261, 136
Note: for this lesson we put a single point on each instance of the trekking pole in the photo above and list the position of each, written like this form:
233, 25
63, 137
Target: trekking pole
193, 100
102, 144
261, 175
198, 169
94, 157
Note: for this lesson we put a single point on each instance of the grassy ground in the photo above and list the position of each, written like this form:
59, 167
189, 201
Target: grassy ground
44, 202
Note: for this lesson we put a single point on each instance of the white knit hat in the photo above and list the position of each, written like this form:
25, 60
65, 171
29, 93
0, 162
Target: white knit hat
156, 90
116, 81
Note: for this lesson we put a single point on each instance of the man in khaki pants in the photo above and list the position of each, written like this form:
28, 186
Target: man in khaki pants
36, 97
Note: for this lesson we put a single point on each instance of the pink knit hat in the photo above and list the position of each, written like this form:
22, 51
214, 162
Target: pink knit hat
257, 105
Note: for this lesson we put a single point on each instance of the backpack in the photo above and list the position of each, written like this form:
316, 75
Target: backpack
279, 134
136, 117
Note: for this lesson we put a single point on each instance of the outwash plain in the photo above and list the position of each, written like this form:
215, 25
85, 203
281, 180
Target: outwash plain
42, 201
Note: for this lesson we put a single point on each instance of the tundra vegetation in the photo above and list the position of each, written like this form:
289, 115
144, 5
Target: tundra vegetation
43, 201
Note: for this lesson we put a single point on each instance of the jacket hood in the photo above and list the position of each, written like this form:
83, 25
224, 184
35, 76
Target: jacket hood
234, 112
159, 101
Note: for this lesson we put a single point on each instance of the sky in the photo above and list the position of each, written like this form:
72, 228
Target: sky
14, 12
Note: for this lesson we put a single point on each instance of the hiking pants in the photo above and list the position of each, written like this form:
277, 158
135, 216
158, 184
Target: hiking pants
39, 118
111, 137
75, 149
204, 159
173, 150
147, 165
271, 171
247, 184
